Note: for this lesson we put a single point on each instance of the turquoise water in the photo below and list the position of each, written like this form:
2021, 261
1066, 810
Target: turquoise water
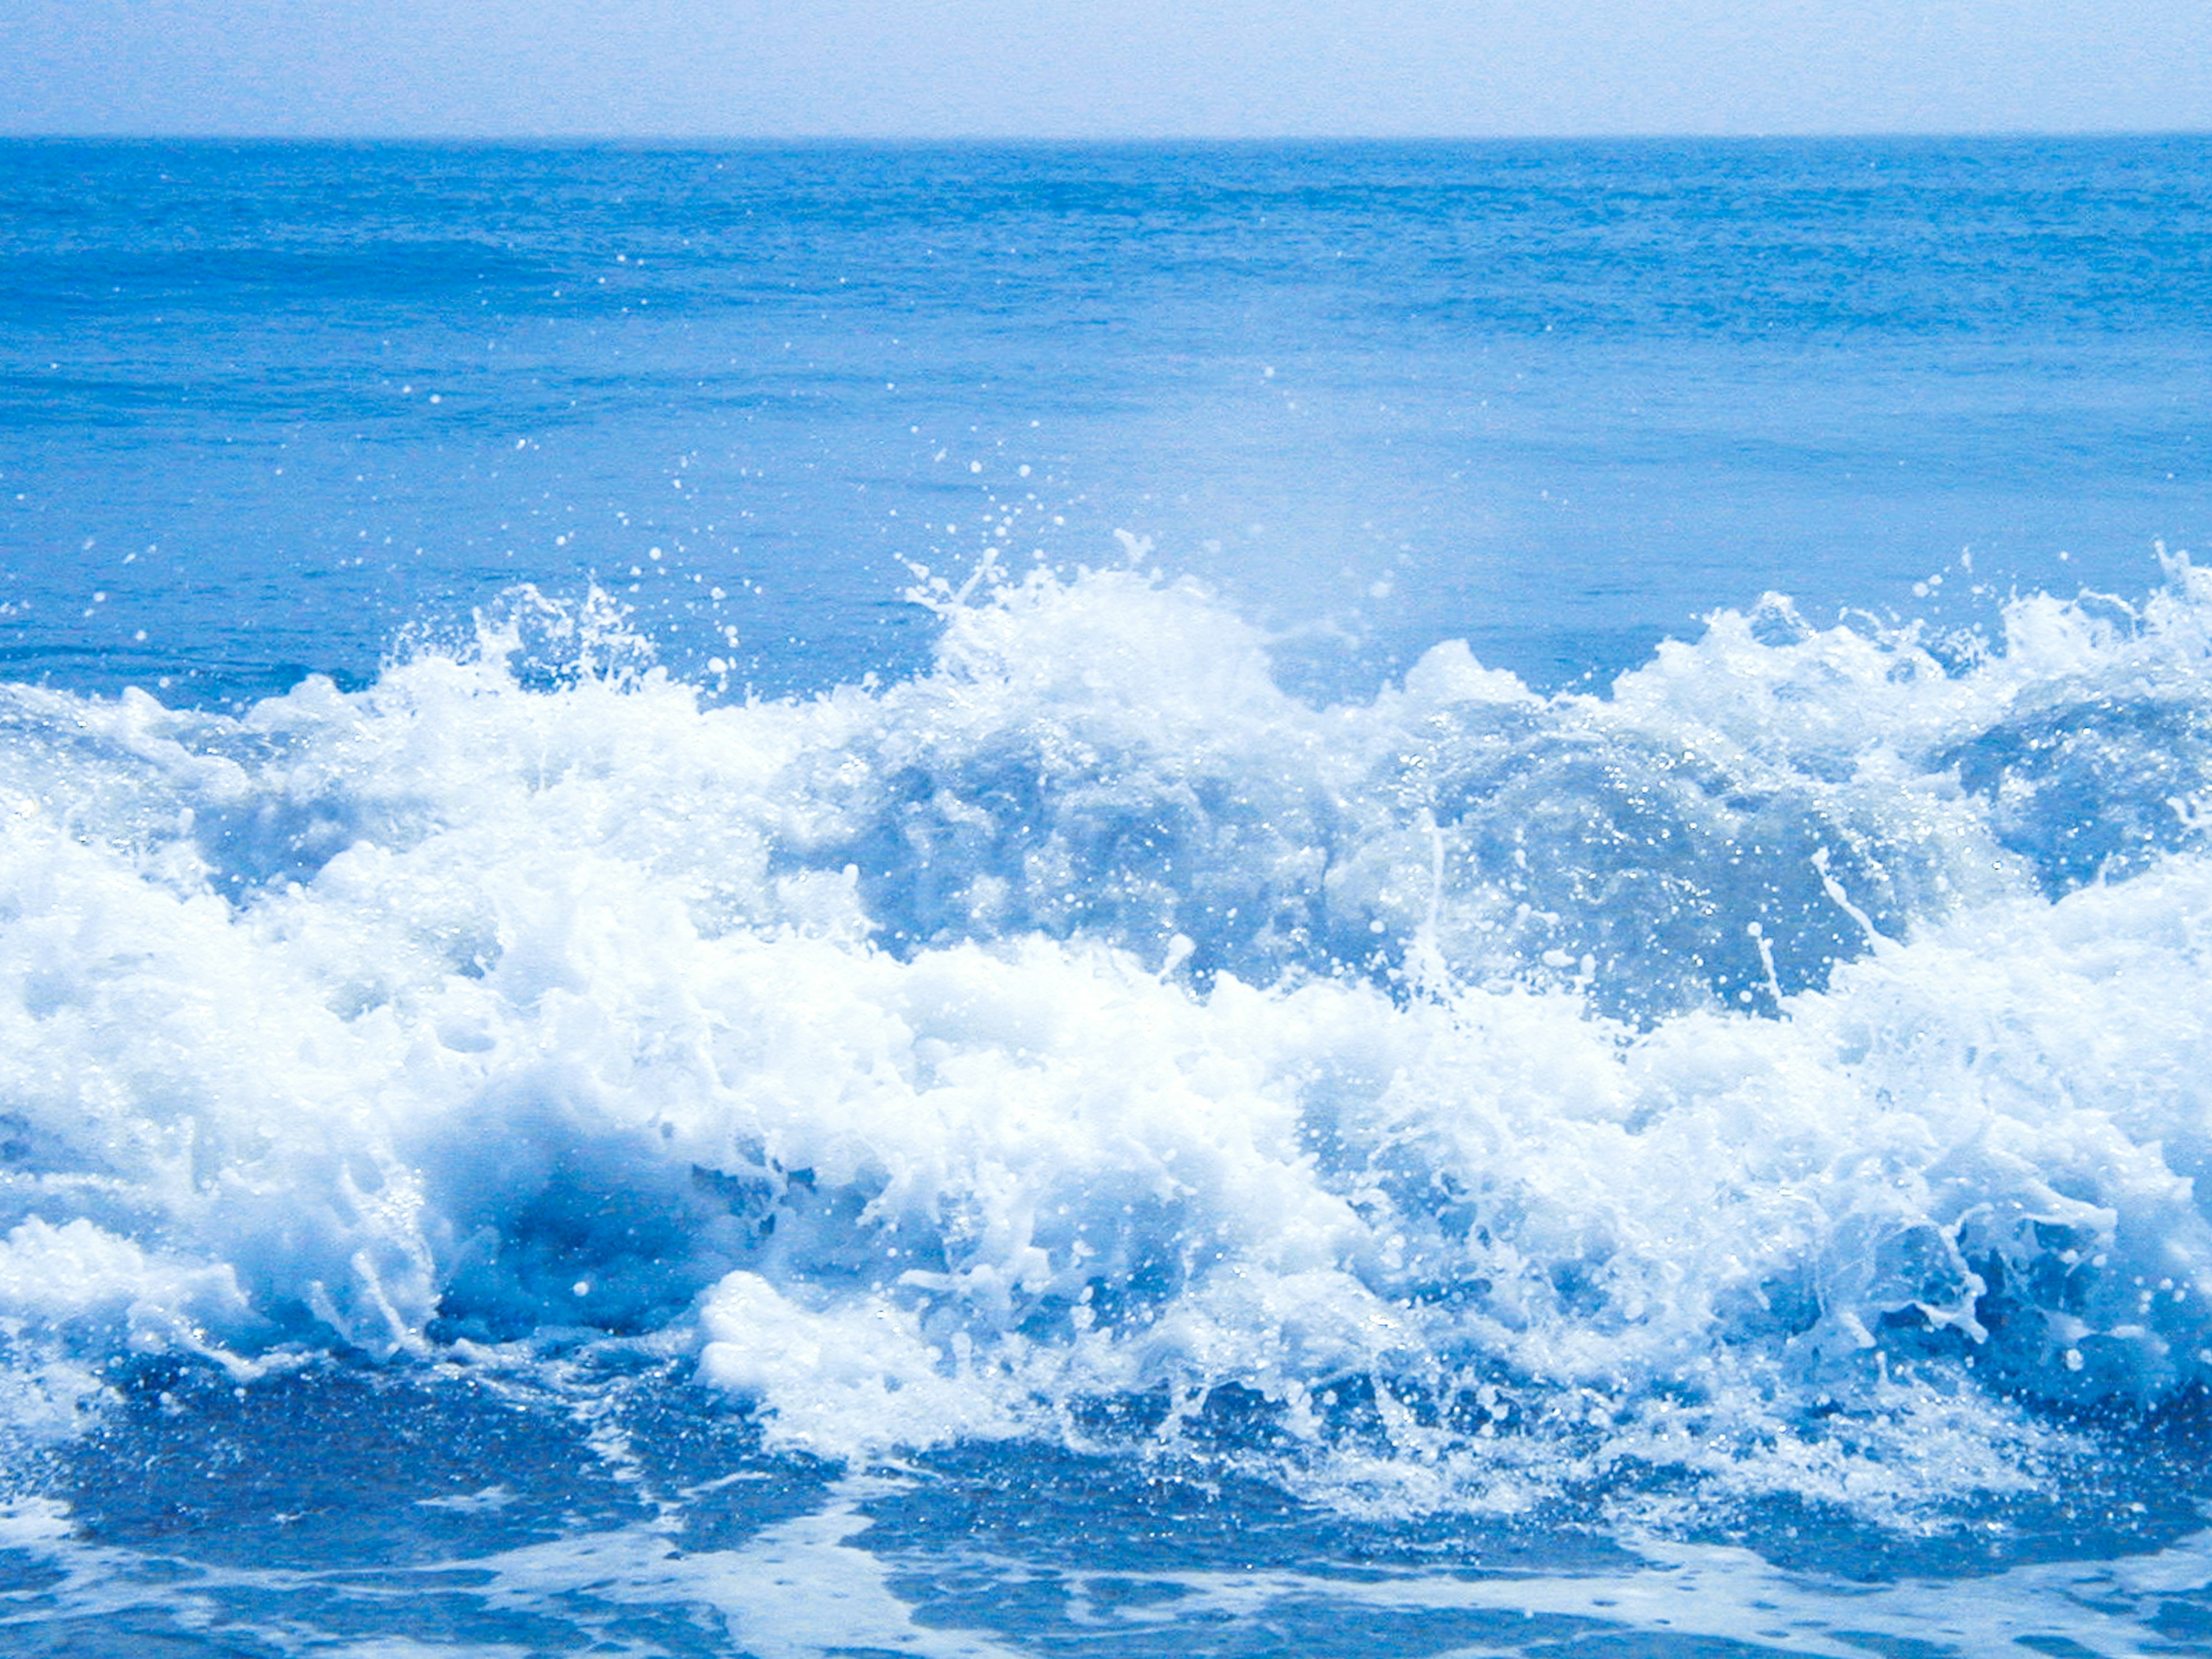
1254, 899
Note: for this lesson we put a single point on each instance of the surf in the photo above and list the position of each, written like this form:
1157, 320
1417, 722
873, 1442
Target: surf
1782, 1071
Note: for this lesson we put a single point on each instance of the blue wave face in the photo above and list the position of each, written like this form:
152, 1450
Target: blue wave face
1788, 1070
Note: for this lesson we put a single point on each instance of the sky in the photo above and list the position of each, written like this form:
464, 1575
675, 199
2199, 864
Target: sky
1100, 67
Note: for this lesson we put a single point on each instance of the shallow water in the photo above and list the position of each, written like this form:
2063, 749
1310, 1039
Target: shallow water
1140, 1090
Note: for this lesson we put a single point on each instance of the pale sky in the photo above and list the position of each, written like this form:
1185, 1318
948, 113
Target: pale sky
1101, 69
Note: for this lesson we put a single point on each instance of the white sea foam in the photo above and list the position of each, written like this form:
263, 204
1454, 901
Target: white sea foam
828, 1581
1791, 1067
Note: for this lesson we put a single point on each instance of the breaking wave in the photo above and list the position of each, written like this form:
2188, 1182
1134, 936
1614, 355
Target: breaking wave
1789, 1069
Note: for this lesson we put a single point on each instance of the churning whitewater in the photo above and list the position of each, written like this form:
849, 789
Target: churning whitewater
1789, 1069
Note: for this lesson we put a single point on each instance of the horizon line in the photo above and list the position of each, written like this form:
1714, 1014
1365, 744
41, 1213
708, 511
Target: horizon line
917, 140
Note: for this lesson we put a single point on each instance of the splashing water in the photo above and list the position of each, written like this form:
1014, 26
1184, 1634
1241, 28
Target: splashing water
1788, 1071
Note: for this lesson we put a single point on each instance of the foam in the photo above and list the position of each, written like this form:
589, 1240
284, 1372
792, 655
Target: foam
1439, 1097
827, 1581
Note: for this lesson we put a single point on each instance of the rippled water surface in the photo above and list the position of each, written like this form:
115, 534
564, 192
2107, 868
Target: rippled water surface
1367, 900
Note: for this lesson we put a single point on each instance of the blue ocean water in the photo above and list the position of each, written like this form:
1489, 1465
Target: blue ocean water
1342, 900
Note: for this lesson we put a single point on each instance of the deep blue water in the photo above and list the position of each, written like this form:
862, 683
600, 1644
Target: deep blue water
1559, 399
1339, 900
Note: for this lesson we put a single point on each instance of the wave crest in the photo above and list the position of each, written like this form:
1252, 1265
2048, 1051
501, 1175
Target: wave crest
1454, 1090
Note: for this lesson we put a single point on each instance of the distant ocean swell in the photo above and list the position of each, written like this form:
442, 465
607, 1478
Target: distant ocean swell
1790, 1070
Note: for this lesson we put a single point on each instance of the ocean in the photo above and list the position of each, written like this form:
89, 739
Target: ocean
1333, 900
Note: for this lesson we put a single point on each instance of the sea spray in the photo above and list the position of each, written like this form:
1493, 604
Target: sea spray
1437, 1099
